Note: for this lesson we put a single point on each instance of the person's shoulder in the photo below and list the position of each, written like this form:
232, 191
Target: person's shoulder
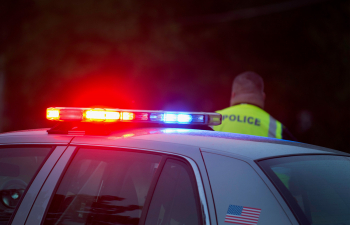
251, 106
238, 107
225, 110
257, 109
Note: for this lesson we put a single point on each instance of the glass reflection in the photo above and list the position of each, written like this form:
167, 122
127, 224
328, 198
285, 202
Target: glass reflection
103, 187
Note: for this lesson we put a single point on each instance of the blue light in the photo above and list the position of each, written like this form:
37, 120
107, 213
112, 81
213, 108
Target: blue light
156, 117
198, 118
170, 118
184, 118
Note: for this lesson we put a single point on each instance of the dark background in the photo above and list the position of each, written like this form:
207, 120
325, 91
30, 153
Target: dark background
178, 55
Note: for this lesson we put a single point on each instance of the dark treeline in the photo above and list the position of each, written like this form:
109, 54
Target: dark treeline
178, 55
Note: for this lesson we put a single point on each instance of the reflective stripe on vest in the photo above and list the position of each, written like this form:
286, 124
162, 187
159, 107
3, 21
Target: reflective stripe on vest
275, 128
272, 127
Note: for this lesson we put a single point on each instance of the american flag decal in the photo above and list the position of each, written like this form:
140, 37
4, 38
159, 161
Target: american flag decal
242, 215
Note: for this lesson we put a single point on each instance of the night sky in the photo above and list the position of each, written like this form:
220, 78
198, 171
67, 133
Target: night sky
178, 55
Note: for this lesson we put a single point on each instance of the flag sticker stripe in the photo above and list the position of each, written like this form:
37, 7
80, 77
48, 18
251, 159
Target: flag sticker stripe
241, 220
242, 215
252, 211
233, 217
249, 220
252, 215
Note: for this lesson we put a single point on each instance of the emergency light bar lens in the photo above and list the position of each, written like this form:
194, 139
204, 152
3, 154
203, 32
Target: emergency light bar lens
141, 116
170, 118
177, 118
95, 115
127, 116
112, 116
157, 117
101, 115
184, 118
53, 114
198, 119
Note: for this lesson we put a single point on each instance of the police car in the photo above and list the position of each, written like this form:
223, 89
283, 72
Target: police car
112, 166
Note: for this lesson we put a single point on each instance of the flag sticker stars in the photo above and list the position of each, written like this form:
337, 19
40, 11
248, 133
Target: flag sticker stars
242, 215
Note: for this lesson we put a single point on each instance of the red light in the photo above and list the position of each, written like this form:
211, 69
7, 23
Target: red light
53, 114
112, 116
127, 116
101, 115
67, 114
95, 115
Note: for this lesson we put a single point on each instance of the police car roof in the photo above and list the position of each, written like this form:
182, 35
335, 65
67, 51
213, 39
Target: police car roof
235, 145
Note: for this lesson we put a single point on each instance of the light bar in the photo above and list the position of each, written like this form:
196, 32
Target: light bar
125, 115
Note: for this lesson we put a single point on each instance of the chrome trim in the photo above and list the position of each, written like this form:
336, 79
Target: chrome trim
203, 199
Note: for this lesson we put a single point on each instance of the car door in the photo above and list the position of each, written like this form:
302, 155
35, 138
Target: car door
96, 185
241, 195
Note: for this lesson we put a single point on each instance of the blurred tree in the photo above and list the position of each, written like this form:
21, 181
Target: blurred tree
137, 54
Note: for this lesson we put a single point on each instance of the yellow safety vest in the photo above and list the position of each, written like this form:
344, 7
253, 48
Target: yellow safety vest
249, 119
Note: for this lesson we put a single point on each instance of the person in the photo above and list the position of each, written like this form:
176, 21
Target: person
246, 114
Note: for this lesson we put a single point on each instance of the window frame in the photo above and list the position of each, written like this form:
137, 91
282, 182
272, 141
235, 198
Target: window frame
282, 189
195, 177
155, 181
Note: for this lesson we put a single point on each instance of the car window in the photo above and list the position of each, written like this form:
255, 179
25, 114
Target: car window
174, 201
103, 187
17, 168
316, 186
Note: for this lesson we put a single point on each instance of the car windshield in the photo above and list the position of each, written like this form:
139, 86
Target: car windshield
317, 188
